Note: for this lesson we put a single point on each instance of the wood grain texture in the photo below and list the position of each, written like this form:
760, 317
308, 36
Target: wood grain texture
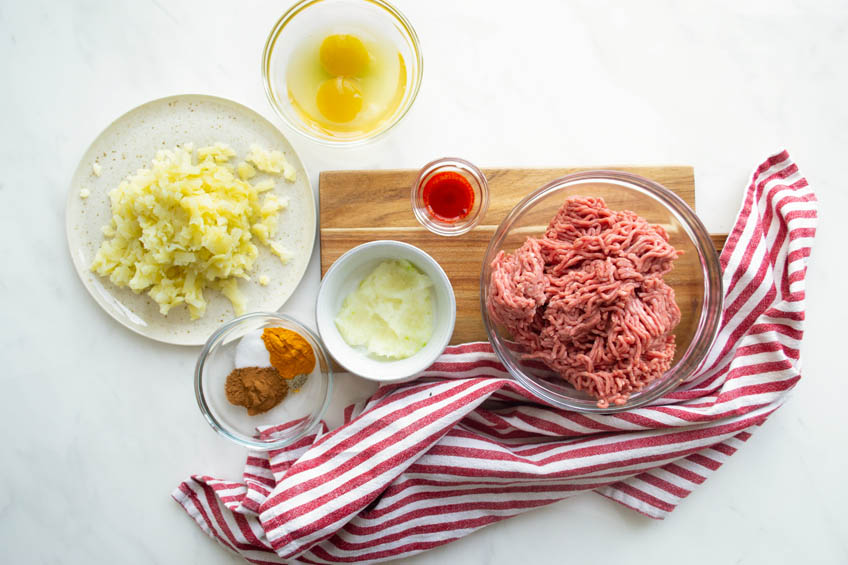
361, 206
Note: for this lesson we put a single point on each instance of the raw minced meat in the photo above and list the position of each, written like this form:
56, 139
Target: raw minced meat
589, 300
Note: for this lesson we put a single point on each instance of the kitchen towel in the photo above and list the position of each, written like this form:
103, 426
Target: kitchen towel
427, 462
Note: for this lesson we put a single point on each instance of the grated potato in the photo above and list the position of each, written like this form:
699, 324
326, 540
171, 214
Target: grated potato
184, 225
271, 162
245, 171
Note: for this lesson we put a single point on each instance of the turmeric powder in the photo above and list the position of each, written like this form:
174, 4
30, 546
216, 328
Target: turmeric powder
290, 353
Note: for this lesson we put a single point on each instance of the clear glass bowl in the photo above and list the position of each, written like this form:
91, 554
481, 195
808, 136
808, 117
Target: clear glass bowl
475, 178
306, 407
696, 279
309, 17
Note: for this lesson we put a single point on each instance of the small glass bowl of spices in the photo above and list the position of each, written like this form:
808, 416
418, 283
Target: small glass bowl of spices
450, 196
263, 380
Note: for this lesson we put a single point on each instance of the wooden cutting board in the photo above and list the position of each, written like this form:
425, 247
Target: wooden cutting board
361, 206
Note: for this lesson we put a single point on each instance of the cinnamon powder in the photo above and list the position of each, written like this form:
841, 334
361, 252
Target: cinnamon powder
256, 388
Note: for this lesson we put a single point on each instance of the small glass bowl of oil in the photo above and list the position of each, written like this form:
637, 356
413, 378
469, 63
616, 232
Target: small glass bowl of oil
342, 72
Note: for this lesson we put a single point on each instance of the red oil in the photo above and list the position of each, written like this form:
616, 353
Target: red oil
448, 196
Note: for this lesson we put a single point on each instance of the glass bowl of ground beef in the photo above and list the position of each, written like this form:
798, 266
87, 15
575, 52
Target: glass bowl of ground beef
601, 291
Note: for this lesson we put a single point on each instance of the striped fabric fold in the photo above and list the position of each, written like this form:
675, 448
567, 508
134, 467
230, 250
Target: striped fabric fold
427, 462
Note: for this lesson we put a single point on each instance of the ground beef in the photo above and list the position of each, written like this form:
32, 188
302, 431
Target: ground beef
588, 299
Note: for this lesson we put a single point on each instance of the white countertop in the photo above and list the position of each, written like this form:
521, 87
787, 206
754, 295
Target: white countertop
98, 425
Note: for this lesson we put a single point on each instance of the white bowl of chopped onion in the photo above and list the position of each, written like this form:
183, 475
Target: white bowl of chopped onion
349, 273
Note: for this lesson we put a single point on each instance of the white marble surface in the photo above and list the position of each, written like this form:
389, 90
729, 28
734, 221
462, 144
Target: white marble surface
97, 425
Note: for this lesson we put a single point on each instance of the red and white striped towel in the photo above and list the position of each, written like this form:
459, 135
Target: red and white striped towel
425, 463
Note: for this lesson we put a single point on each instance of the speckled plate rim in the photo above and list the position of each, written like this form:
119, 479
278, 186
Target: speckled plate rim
195, 336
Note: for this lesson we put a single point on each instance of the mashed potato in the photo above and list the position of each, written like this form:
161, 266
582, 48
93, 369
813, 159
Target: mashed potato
184, 225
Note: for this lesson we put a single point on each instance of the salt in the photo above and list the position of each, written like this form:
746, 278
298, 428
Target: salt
251, 351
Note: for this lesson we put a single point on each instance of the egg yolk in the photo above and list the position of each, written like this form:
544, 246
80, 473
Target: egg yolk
344, 55
339, 99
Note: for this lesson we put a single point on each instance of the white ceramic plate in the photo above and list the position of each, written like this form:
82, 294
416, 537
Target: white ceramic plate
128, 144
344, 277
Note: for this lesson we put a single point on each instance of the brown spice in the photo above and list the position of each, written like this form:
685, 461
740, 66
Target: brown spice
256, 388
290, 353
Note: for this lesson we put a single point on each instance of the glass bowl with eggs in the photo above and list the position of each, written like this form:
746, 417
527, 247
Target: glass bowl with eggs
342, 72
